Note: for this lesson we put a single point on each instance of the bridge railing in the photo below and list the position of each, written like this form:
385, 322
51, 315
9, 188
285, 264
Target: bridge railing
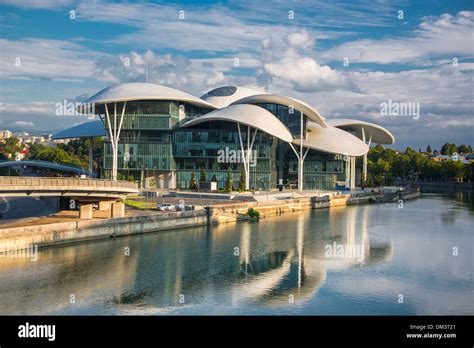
39, 182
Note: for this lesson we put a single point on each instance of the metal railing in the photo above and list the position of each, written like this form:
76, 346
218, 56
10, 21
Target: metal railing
38, 183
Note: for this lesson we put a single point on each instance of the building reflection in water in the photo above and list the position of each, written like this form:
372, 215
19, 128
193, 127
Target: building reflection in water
273, 262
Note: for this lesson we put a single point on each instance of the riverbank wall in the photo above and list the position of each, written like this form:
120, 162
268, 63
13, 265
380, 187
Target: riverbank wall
19, 238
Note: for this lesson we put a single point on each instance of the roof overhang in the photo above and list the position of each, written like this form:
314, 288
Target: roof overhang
332, 140
299, 105
144, 91
83, 130
376, 133
249, 115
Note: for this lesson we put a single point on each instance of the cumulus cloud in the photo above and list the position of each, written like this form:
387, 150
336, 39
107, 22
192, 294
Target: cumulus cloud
301, 39
290, 61
307, 75
170, 70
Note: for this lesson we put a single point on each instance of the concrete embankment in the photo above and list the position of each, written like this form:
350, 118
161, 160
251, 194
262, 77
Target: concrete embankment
17, 238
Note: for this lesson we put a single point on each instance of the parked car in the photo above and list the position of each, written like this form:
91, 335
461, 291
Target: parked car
182, 207
166, 207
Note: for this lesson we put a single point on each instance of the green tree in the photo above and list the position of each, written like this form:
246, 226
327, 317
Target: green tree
464, 149
80, 149
229, 183
428, 149
12, 145
401, 166
242, 180
448, 149
452, 170
193, 183
468, 174
202, 176
53, 154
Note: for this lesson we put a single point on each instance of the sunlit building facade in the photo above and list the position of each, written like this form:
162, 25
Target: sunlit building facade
166, 134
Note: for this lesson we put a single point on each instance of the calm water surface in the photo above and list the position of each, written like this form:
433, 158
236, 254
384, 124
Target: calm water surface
275, 266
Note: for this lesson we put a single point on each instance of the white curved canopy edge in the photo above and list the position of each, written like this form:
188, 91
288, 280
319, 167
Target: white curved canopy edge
299, 105
145, 91
333, 140
249, 115
376, 133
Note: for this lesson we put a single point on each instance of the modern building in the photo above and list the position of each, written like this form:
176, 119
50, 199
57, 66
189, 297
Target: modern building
271, 140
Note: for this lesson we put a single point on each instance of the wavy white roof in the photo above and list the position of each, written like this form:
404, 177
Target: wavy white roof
379, 134
225, 95
249, 115
145, 91
332, 140
83, 130
287, 101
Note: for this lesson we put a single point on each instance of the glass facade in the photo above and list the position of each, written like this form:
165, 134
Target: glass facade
152, 144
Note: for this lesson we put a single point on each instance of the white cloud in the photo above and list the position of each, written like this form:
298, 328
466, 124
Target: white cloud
23, 124
45, 59
39, 4
437, 36
169, 70
307, 75
301, 39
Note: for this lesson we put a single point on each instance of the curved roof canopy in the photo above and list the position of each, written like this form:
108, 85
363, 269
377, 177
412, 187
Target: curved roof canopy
379, 134
223, 96
249, 115
332, 140
83, 130
145, 91
287, 101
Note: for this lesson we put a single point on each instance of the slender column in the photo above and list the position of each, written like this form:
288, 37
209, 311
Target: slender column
300, 157
91, 154
114, 135
246, 153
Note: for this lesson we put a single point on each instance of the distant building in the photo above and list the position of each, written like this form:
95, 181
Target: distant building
5, 134
453, 157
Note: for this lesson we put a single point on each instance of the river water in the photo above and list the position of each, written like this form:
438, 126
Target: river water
372, 259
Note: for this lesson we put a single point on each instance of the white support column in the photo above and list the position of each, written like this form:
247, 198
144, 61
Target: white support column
364, 165
300, 157
247, 154
353, 172
242, 151
114, 135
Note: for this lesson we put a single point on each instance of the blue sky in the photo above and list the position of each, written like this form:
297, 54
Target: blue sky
47, 57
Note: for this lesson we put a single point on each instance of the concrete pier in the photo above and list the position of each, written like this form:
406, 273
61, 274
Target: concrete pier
85, 211
105, 205
118, 210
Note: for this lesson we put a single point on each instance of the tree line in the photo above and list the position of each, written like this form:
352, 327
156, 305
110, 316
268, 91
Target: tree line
384, 165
